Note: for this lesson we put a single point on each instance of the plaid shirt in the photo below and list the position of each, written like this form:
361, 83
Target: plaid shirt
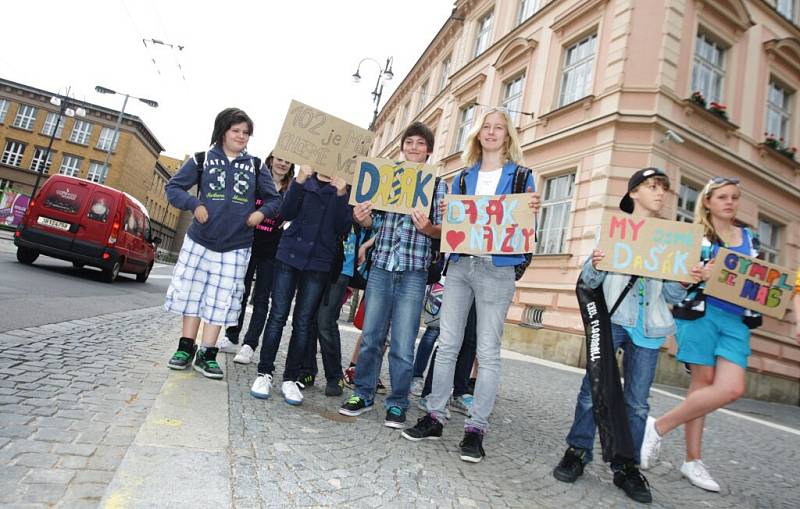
400, 246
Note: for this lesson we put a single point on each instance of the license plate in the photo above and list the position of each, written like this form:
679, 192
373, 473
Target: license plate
52, 223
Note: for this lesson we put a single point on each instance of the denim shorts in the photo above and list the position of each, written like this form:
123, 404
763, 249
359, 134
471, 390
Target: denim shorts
717, 334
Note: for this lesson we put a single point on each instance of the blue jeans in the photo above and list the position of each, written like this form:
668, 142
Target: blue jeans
264, 268
639, 368
309, 285
326, 328
424, 350
395, 297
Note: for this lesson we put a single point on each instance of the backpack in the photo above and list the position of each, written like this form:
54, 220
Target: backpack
521, 175
200, 158
437, 261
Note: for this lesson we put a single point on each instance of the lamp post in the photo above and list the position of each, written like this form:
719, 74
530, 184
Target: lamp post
385, 72
115, 134
65, 108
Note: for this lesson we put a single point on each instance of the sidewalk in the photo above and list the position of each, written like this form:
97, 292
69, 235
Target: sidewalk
90, 415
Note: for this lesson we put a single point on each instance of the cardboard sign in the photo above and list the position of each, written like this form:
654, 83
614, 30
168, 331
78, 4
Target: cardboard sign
326, 143
502, 224
394, 186
649, 247
751, 283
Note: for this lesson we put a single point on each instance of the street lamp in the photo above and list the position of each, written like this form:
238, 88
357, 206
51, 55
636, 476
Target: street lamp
384, 74
65, 108
115, 134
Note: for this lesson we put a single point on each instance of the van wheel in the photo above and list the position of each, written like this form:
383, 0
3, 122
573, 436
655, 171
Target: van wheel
109, 275
142, 277
26, 255
77, 265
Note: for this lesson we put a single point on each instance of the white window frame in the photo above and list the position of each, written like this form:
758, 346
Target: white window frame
3, 109
423, 95
483, 33
37, 161
779, 110
578, 70
769, 234
513, 90
708, 69
555, 214
50, 123
13, 153
98, 172
70, 165
466, 116
404, 115
105, 139
445, 72
81, 132
684, 213
25, 118
526, 9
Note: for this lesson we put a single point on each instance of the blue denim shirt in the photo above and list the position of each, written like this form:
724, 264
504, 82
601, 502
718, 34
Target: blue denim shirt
658, 293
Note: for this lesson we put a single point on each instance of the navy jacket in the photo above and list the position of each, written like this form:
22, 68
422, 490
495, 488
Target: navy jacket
318, 218
228, 191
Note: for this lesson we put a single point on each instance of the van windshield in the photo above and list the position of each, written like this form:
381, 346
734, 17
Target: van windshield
65, 197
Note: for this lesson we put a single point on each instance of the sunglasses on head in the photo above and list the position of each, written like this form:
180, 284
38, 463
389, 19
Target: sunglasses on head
724, 180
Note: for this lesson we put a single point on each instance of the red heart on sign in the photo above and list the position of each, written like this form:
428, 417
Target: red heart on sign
455, 238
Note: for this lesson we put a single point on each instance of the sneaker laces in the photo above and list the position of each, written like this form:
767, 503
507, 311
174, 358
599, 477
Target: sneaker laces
353, 400
701, 471
635, 476
181, 355
299, 384
395, 410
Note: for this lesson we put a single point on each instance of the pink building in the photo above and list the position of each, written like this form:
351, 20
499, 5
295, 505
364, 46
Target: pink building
601, 88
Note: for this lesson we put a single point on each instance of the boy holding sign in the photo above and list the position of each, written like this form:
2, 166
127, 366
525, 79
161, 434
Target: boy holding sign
639, 326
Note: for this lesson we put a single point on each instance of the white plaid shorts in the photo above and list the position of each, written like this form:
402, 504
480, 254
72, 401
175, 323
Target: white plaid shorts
208, 284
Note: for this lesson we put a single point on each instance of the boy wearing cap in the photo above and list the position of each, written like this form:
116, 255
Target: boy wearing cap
638, 326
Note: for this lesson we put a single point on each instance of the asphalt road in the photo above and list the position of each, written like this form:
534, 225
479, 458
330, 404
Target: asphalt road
52, 291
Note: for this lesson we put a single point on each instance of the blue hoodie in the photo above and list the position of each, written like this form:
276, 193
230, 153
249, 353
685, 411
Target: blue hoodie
228, 192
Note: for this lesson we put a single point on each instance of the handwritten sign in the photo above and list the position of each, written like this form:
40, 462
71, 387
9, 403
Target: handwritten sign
649, 247
394, 186
326, 143
502, 224
751, 283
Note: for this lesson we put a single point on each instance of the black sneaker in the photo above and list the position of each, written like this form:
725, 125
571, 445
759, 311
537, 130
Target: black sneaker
379, 387
206, 362
633, 483
307, 381
571, 465
183, 356
426, 428
334, 387
395, 418
472, 446
355, 406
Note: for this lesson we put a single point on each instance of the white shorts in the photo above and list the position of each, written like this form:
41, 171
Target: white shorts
208, 284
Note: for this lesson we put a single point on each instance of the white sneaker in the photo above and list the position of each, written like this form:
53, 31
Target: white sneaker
225, 346
417, 384
261, 387
697, 473
291, 392
244, 356
651, 445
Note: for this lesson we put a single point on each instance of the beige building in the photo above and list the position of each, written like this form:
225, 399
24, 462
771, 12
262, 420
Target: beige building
601, 88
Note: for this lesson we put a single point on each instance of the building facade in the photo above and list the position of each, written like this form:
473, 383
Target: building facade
601, 88
164, 217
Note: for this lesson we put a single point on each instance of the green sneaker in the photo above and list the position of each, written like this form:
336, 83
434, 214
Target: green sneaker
183, 356
355, 406
307, 381
206, 362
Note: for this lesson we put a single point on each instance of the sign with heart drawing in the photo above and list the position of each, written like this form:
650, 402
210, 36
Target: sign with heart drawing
501, 224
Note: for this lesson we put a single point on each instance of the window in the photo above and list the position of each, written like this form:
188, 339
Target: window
779, 113
526, 9
5, 184
26, 116
70, 165
404, 116
769, 233
81, 132
445, 73
484, 31
785, 8
105, 140
512, 97
38, 162
3, 110
576, 79
687, 199
97, 172
50, 124
423, 96
709, 68
555, 214
465, 118
12, 154
389, 132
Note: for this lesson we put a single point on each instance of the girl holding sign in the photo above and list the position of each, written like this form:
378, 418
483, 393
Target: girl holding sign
716, 345
493, 155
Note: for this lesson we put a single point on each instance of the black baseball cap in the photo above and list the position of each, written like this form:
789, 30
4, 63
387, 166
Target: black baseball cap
626, 203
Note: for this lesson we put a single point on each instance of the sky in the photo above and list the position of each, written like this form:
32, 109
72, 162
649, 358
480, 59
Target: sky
257, 55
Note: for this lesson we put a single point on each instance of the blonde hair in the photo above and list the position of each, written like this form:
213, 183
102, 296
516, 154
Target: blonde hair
702, 215
473, 151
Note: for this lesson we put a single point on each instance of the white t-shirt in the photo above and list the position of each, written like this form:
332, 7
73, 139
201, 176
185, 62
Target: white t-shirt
487, 181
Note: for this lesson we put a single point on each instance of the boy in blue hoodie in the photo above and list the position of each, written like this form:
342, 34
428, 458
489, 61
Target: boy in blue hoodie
208, 279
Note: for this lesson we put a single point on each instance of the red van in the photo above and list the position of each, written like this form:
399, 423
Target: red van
88, 224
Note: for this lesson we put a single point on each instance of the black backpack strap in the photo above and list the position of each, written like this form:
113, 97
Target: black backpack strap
520, 179
199, 159
435, 187
462, 182
622, 295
